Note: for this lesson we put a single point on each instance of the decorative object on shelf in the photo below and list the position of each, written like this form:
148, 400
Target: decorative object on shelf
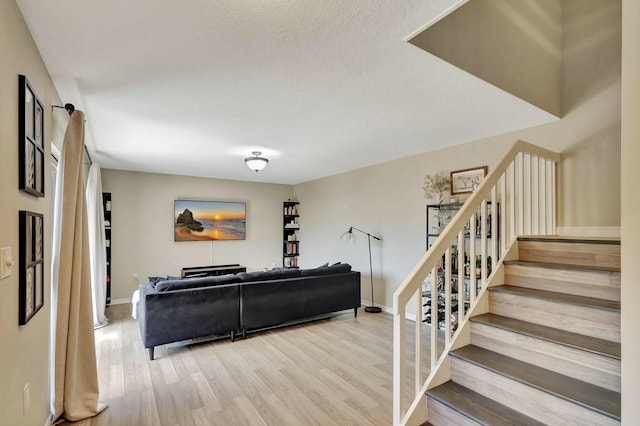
466, 181
31, 140
290, 243
209, 220
256, 163
31, 294
350, 236
436, 185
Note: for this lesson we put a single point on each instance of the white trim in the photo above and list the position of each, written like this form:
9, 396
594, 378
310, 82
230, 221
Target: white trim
590, 231
120, 301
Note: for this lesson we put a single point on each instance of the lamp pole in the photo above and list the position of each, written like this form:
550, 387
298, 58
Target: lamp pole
371, 309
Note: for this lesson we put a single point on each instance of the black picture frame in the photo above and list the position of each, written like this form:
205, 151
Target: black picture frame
31, 294
30, 139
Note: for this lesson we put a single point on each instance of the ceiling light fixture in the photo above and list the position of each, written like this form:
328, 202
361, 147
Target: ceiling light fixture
256, 163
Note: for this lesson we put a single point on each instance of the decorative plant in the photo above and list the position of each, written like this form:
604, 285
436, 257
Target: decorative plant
436, 185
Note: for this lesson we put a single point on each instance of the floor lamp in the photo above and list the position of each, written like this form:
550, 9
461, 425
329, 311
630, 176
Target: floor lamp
350, 236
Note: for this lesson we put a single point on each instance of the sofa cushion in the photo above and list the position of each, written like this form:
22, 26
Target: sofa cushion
276, 274
341, 268
187, 283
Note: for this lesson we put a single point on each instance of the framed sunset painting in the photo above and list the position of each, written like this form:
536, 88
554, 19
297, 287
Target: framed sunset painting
209, 220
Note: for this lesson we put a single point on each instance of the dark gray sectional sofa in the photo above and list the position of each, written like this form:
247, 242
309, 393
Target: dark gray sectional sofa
175, 310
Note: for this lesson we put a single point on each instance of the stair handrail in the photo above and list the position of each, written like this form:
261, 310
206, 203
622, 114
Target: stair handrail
412, 285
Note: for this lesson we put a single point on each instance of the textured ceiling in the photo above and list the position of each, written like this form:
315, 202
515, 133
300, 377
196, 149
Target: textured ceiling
320, 87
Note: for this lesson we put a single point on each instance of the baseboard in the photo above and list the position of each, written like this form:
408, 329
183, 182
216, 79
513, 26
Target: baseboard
389, 310
590, 231
120, 301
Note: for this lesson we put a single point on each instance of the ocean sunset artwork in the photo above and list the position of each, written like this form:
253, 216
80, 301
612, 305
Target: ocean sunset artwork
209, 220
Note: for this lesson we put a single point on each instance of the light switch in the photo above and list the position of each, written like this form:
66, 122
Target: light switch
6, 262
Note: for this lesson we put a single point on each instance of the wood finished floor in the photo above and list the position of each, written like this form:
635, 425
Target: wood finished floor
336, 371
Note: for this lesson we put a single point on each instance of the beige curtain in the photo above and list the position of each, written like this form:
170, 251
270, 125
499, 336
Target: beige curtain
75, 372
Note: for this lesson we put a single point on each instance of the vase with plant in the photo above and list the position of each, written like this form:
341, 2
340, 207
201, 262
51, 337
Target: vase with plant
436, 185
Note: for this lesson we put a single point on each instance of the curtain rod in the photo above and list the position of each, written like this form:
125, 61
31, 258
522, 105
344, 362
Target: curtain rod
70, 108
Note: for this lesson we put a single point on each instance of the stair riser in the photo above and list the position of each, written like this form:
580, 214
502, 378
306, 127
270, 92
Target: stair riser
579, 254
583, 365
530, 401
600, 323
601, 285
441, 415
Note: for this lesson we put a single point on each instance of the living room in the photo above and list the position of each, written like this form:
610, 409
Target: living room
385, 199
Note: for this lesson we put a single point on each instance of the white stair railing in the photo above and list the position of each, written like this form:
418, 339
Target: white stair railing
522, 191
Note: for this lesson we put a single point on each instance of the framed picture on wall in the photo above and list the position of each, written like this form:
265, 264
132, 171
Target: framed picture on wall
31, 294
466, 181
195, 220
30, 139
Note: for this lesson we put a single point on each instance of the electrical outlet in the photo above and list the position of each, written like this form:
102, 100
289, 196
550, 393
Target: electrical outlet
25, 399
136, 277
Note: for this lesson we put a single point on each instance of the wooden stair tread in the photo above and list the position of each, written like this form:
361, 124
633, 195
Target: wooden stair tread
559, 297
554, 335
598, 399
477, 407
596, 269
570, 240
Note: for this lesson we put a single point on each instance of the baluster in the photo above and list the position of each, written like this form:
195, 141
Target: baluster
472, 258
552, 201
447, 297
434, 318
534, 195
399, 362
543, 195
512, 199
519, 192
461, 280
503, 214
494, 224
418, 340
483, 243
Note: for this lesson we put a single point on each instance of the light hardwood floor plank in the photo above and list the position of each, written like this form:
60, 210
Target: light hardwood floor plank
331, 371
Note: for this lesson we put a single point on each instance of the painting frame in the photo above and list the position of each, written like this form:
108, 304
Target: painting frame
465, 181
31, 291
204, 220
30, 139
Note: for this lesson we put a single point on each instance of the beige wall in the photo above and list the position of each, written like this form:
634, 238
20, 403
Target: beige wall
24, 352
514, 45
630, 209
142, 225
387, 199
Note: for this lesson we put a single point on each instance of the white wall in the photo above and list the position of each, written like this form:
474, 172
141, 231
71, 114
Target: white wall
24, 352
142, 225
387, 199
630, 209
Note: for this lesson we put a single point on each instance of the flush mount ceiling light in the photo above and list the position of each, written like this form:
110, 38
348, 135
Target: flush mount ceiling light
256, 163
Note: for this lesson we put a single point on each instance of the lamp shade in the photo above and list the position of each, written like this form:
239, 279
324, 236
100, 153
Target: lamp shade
348, 236
256, 163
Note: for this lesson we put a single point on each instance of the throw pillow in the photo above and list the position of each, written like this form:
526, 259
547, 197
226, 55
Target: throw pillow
276, 274
341, 268
190, 283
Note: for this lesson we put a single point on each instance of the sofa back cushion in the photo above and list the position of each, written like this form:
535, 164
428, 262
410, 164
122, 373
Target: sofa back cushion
340, 268
187, 283
276, 274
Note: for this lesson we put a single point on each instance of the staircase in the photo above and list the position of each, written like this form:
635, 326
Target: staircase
548, 350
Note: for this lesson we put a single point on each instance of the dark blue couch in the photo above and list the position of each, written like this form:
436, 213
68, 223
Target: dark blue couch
175, 310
